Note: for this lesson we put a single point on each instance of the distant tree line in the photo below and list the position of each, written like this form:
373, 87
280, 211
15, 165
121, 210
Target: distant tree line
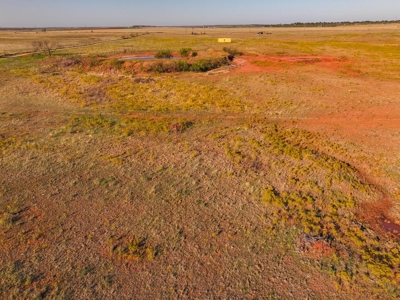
307, 24
332, 24
296, 24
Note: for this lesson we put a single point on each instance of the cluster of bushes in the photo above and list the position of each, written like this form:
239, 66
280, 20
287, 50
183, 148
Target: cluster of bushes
182, 65
232, 52
183, 52
92, 62
186, 52
163, 65
163, 54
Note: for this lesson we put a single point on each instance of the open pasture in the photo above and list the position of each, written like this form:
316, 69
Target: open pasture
272, 176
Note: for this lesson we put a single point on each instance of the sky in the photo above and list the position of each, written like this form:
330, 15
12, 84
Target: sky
81, 13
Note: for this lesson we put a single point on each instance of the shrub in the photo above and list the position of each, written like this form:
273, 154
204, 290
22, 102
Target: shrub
71, 61
157, 67
204, 65
46, 47
114, 63
194, 54
182, 65
184, 52
163, 54
94, 61
133, 249
232, 51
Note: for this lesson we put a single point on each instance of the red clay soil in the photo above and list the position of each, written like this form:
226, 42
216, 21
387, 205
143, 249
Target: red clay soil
320, 248
372, 127
246, 64
369, 125
356, 124
390, 226
376, 214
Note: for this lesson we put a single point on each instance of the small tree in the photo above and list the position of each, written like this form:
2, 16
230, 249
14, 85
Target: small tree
36, 47
45, 46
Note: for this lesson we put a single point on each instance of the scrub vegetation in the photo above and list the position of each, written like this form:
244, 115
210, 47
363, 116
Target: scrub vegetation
257, 176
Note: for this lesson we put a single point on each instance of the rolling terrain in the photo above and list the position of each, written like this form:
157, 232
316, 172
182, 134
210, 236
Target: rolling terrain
271, 176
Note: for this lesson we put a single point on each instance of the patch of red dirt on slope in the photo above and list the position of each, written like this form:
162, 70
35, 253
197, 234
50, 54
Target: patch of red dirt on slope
266, 63
374, 127
319, 248
376, 214
359, 125
244, 66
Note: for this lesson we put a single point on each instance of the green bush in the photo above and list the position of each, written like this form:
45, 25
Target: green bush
232, 52
182, 65
163, 54
157, 67
204, 65
184, 52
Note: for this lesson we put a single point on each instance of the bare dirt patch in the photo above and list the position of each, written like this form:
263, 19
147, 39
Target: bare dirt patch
266, 63
358, 124
315, 247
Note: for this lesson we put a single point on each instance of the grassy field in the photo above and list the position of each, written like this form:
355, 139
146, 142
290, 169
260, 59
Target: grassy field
275, 176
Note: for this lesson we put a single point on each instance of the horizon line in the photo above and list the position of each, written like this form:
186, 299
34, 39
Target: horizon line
205, 25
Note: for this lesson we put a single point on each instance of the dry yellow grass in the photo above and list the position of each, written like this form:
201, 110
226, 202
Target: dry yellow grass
230, 184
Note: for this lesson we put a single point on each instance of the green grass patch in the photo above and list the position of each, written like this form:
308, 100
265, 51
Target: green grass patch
168, 95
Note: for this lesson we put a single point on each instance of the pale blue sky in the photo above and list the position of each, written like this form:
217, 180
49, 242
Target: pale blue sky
74, 13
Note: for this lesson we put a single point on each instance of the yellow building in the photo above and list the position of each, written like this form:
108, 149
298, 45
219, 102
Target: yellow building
224, 40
